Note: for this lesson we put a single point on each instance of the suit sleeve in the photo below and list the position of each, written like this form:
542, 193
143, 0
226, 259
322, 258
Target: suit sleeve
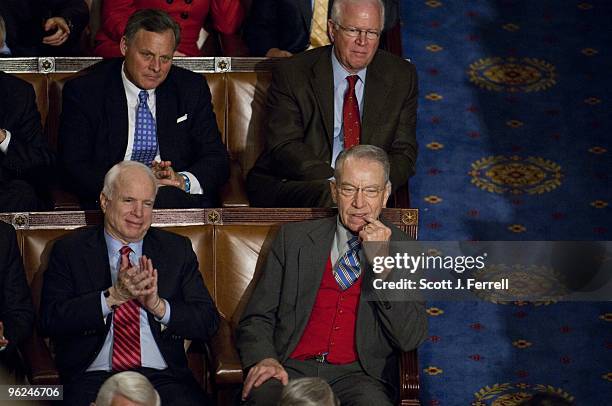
260, 32
403, 150
285, 133
210, 164
76, 145
227, 15
75, 11
193, 314
63, 309
27, 151
403, 319
16, 310
255, 332
115, 14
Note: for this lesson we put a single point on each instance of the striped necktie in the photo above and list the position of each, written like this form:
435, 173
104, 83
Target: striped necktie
126, 331
348, 269
144, 149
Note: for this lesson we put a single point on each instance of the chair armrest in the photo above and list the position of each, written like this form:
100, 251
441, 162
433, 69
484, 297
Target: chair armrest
233, 193
63, 200
232, 45
39, 362
409, 378
226, 366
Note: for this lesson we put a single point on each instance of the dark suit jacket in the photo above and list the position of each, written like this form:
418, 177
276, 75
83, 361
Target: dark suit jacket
300, 118
16, 310
24, 29
94, 128
285, 24
28, 153
279, 309
79, 270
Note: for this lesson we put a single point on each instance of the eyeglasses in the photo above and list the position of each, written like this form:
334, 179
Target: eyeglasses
368, 191
356, 32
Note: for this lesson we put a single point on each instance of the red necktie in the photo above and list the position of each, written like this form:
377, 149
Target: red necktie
350, 115
126, 330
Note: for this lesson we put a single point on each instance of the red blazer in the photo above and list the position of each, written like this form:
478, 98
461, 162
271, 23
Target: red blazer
227, 15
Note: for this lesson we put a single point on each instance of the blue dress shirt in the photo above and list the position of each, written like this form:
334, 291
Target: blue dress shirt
150, 355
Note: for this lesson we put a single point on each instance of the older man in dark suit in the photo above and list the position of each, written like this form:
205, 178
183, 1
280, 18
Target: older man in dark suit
144, 109
314, 312
328, 99
125, 297
280, 28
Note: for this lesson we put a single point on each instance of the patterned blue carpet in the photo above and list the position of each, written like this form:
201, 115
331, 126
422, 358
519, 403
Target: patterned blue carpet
514, 144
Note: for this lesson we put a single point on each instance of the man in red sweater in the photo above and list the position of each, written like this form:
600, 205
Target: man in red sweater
309, 315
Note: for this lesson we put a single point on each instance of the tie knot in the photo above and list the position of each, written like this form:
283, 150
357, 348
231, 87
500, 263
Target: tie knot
125, 250
143, 96
354, 244
352, 80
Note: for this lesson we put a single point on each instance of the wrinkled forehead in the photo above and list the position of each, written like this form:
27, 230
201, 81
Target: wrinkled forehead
362, 171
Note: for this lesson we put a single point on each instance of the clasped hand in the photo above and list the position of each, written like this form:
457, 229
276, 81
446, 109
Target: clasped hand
166, 176
140, 283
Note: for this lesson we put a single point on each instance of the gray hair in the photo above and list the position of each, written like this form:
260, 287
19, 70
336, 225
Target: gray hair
152, 20
366, 152
308, 392
338, 7
110, 179
130, 385
2, 31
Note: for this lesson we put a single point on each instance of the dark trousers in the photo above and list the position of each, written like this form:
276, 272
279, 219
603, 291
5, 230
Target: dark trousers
266, 191
170, 197
18, 195
180, 391
350, 384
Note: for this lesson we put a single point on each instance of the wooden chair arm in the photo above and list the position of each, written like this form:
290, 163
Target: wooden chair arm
409, 379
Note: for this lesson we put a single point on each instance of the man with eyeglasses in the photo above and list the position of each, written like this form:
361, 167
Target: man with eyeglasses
329, 99
313, 311
281, 28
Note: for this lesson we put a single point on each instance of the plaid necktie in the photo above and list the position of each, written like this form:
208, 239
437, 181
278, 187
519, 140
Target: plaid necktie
348, 269
145, 134
318, 27
350, 115
126, 331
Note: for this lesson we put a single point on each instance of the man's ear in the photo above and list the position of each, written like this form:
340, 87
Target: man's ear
330, 30
103, 202
123, 46
387, 193
333, 189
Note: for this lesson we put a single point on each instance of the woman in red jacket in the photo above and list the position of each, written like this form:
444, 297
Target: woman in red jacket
227, 15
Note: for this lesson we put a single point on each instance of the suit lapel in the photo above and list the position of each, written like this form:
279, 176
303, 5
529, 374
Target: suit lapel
165, 117
151, 247
374, 100
96, 253
322, 82
313, 255
116, 106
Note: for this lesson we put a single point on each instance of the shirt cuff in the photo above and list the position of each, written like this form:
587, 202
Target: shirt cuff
164, 320
105, 309
196, 188
4, 144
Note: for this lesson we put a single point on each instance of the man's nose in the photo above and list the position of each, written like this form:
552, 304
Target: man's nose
137, 209
359, 199
155, 64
